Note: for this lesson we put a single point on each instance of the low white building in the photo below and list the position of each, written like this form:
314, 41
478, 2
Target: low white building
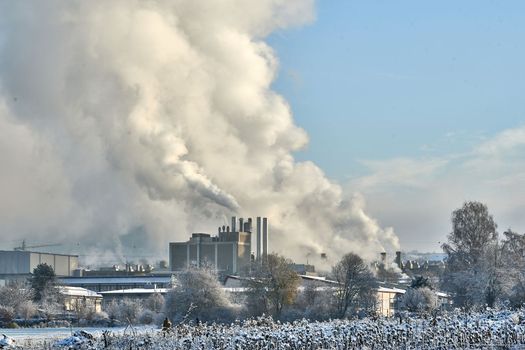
76, 299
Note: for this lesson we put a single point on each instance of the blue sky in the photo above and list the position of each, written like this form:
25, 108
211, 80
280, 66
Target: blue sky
421, 86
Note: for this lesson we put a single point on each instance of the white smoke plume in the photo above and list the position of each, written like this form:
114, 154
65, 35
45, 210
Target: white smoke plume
142, 121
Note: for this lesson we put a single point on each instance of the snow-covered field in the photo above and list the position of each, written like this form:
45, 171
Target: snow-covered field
490, 330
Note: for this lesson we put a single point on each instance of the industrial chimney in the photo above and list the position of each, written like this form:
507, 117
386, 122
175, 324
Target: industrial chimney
234, 222
258, 242
248, 225
398, 260
265, 238
383, 258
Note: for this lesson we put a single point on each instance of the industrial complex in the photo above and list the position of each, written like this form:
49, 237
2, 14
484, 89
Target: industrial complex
233, 252
229, 252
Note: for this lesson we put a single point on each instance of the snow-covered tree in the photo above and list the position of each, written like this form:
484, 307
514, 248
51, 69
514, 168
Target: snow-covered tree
129, 310
472, 274
18, 295
26, 309
198, 294
7, 313
315, 302
125, 310
154, 302
513, 263
419, 300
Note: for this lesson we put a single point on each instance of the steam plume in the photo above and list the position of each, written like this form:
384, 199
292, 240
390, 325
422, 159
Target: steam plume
144, 120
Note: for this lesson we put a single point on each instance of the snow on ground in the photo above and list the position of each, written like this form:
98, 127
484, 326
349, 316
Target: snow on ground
503, 329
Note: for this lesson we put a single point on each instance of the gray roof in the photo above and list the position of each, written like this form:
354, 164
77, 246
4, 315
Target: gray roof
115, 280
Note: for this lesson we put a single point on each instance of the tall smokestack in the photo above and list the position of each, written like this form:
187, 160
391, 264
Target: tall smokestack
383, 258
398, 260
241, 224
265, 238
258, 243
234, 222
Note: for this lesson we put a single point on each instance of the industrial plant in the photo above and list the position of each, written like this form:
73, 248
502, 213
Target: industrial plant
229, 252
233, 252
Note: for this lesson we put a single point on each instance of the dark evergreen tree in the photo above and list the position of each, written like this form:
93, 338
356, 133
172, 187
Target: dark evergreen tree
43, 281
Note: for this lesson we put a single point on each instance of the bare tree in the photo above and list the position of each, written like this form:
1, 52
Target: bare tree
356, 282
272, 286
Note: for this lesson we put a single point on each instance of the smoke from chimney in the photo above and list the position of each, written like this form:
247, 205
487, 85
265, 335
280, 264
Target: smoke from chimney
140, 121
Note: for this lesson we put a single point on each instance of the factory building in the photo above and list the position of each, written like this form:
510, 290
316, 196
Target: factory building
107, 283
20, 264
229, 252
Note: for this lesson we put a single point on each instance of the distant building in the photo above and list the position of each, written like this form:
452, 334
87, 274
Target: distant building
20, 264
76, 299
386, 302
304, 269
108, 283
138, 294
229, 252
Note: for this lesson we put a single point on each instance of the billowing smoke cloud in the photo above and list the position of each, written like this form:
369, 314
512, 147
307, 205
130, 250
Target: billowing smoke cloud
141, 121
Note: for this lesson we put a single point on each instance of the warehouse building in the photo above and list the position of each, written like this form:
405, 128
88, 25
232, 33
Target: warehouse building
229, 252
19, 264
107, 283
